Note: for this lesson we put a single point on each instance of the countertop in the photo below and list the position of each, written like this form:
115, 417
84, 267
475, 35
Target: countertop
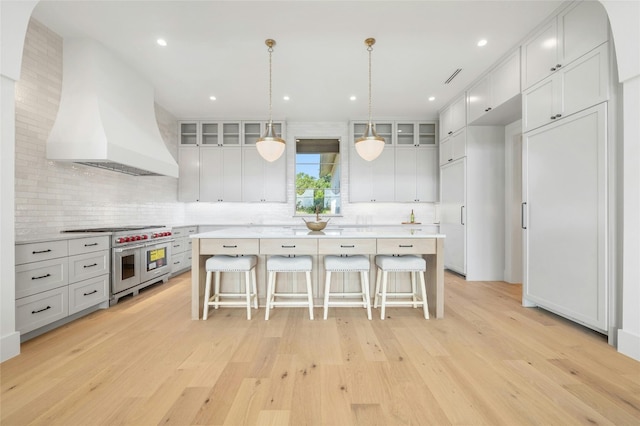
401, 231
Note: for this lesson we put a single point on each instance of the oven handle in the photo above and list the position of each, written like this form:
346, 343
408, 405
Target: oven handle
123, 249
158, 243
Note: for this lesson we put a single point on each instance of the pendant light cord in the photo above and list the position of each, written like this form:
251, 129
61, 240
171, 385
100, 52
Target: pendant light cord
369, 49
270, 107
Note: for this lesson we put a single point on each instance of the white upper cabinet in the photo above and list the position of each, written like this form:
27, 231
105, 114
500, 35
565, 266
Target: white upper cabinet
372, 181
416, 174
583, 83
252, 130
580, 28
416, 134
220, 174
262, 180
453, 147
494, 90
453, 118
189, 174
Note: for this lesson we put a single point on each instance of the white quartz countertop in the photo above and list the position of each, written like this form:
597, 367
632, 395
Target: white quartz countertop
404, 231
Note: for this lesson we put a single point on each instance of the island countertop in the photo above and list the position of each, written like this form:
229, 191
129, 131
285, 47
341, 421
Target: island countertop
403, 231
265, 241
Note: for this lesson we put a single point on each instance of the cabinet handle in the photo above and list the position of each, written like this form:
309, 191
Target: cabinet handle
91, 292
450, 133
461, 215
90, 266
558, 115
558, 66
288, 246
343, 246
405, 246
92, 244
450, 159
553, 117
522, 216
41, 310
41, 251
552, 69
176, 263
41, 277
487, 109
229, 246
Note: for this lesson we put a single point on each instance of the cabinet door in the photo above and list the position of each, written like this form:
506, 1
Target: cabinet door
459, 144
446, 151
565, 190
445, 123
426, 175
540, 103
479, 99
539, 54
232, 174
189, 135
585, 82
582, 28
275, 180
452, 214
262, 180
383, 176
505, 80
406, 174
458, 114
189, 174
359, 178
211, 174
210, 134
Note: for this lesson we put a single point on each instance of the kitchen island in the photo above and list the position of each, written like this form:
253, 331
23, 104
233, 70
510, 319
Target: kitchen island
264, 241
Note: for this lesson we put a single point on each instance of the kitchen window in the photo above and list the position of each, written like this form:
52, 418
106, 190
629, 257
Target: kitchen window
317, 176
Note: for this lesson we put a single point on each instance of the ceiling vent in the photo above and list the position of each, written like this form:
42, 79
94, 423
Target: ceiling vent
455, 73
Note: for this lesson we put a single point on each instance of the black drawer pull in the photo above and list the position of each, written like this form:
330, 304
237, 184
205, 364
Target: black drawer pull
41, 251
343, 246
41, 277
92, 244
405, 246
90, 266
91, 292
229, 246
176, 263
288, 246
177, 245
41, 310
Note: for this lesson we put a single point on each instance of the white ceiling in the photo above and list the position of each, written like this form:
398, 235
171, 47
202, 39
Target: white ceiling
320, 59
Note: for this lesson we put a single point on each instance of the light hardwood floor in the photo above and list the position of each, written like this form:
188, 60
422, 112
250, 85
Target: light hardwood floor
489, 361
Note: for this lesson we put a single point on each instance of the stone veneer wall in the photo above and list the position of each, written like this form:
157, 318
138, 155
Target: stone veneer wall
51, 195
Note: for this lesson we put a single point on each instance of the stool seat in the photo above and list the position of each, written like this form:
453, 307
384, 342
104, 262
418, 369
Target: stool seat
277, 264
217, 264
415, 265
356, 263
289, 264
224, 263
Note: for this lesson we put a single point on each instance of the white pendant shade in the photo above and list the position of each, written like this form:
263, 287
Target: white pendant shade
370, 145
270, 147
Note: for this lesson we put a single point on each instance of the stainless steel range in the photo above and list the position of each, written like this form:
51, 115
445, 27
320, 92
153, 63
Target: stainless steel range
139, 257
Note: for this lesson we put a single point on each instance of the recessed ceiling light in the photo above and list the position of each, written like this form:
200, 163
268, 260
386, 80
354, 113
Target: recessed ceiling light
161, 42
482, 42
432, 98
286, 98
352, 98
213, 98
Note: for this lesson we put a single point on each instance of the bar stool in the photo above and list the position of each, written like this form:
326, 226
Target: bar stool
412, 264
358, 263
277, 264
223, 263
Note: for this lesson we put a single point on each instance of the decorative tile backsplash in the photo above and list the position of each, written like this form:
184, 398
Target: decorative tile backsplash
51, 196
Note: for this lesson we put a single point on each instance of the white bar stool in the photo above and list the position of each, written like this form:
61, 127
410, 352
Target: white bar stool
223, 263
412, 264
358, 263
277, 264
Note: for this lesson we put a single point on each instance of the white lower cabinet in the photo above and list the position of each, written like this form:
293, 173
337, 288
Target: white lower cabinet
565, 217
57, 279
181, 249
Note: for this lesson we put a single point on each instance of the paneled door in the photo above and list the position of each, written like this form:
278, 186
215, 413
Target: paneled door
453, 214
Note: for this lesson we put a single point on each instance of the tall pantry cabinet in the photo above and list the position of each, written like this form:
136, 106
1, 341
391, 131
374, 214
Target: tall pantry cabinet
566, 217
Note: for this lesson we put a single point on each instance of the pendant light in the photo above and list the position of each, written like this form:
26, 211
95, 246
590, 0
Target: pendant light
370, 145
269, 145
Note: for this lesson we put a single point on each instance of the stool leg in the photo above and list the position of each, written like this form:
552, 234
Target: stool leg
364, 281
384, 293
216, 291
309, 293
255, 288
377, 292
207, 295
413, 289
270, 281
327, 288
425, 305
247, 290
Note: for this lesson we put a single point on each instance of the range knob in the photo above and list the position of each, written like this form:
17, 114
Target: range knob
127, 239
121, 240
138, 237
155, 235
145, 236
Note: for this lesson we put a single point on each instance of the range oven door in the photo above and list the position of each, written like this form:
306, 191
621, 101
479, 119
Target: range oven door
155, 261
126, 268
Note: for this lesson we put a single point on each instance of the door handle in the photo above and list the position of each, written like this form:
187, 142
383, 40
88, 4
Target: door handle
461, 215
522, 215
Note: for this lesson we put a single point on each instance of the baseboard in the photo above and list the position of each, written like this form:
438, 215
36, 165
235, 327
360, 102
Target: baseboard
629, 344
9, 346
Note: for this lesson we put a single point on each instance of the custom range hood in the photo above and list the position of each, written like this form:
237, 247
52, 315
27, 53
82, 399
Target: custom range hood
106, 117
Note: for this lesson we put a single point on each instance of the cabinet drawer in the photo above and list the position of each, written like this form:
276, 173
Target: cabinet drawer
347, 246
229, 246
41, 309
34, 278
181, 245
179, 232
406, 246
179, 262
86, 294
88, 245
284, 246
84, 266
34, 252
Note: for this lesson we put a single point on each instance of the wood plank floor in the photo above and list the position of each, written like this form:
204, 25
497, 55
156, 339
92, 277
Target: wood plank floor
489, 361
